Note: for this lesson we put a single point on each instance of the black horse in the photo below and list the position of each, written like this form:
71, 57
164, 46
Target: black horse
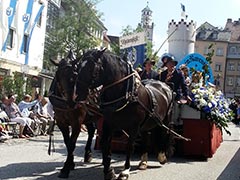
66, 115
125, 102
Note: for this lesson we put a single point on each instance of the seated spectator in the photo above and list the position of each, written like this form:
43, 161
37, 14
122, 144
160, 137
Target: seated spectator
42, 110
26, 104
13, 112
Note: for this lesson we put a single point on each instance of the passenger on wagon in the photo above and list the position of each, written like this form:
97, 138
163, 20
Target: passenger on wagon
174, 78
148, 72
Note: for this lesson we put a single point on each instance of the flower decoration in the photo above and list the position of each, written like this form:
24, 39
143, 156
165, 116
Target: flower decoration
213, 104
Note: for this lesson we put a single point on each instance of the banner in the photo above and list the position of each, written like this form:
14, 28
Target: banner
7, 15
132, 40
31, 31
197, 61
26, 18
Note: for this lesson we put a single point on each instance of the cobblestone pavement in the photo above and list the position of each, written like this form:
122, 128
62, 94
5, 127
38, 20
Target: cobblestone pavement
27, 159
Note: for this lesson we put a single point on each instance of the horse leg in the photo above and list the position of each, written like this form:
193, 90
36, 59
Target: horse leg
129, 151
162, 139
145, 146
109, 173
70, 142
88, 152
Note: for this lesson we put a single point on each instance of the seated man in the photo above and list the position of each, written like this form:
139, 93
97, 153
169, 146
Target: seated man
26, 104
14, 113
42, 113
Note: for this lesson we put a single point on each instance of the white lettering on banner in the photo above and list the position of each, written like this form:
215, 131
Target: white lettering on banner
132, 40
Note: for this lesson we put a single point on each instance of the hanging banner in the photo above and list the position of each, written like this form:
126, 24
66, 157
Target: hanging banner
132, 40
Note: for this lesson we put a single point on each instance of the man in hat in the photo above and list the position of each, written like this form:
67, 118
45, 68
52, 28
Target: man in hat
174, 78
148, 72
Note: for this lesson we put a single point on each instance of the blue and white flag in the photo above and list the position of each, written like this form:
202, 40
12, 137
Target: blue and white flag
26, 18
7, 14
30, 30
183, 13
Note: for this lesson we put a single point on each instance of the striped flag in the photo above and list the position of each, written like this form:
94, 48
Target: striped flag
183, 13
30, 30
7, 15
26, 18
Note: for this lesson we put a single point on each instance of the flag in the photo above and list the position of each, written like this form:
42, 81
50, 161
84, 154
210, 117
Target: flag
30, 30
7, 18
183, 14
26, 18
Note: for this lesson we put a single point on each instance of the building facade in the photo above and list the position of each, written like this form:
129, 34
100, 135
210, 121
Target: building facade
23, 25
209, 35
226, 59
23, 33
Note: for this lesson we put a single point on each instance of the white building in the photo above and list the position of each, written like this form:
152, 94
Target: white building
22, 30
181, 38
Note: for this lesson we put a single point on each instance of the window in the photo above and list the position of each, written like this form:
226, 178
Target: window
238, 82
25, 43
238, 67
231, 66
230, 81
218, 67
10, 38
39, 20
233, 50
219, 52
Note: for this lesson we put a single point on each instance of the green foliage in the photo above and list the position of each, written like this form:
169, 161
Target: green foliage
128, 30
74, 29
15, 85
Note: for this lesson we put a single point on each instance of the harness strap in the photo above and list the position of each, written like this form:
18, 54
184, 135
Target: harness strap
159, 123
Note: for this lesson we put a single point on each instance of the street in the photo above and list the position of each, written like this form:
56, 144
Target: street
26, 159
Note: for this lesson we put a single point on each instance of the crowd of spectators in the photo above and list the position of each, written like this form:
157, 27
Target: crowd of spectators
30, 117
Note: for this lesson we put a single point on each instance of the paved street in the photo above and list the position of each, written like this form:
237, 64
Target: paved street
22, 159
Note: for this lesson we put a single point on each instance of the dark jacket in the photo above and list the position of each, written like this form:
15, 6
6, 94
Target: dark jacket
152, 75
177, 83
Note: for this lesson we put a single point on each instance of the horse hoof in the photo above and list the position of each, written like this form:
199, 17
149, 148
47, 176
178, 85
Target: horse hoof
162, 158
110, 175
123, 175
142, 165
63, 175
88, 157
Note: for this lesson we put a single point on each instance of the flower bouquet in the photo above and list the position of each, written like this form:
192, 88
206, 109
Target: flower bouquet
212, 104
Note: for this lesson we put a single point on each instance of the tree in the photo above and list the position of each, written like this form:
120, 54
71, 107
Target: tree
15, 85
75, 28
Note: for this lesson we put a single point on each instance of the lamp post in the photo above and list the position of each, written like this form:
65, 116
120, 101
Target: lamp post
24, 70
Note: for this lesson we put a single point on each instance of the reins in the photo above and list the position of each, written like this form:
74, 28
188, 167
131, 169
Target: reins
116, 82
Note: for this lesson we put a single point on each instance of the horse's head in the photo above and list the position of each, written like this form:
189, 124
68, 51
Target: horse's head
89, 73
65, 77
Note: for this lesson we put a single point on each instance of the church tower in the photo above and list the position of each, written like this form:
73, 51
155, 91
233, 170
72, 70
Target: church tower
146, 23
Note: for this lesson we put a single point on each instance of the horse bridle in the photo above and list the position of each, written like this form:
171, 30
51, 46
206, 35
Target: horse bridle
63, 92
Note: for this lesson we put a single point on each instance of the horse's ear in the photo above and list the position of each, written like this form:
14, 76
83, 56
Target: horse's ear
54, 62
100, 52
71, 55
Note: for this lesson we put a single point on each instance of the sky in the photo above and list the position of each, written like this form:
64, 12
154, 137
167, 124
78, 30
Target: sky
118, 14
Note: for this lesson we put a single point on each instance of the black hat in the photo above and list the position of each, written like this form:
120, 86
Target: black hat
148, 61
167, 58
